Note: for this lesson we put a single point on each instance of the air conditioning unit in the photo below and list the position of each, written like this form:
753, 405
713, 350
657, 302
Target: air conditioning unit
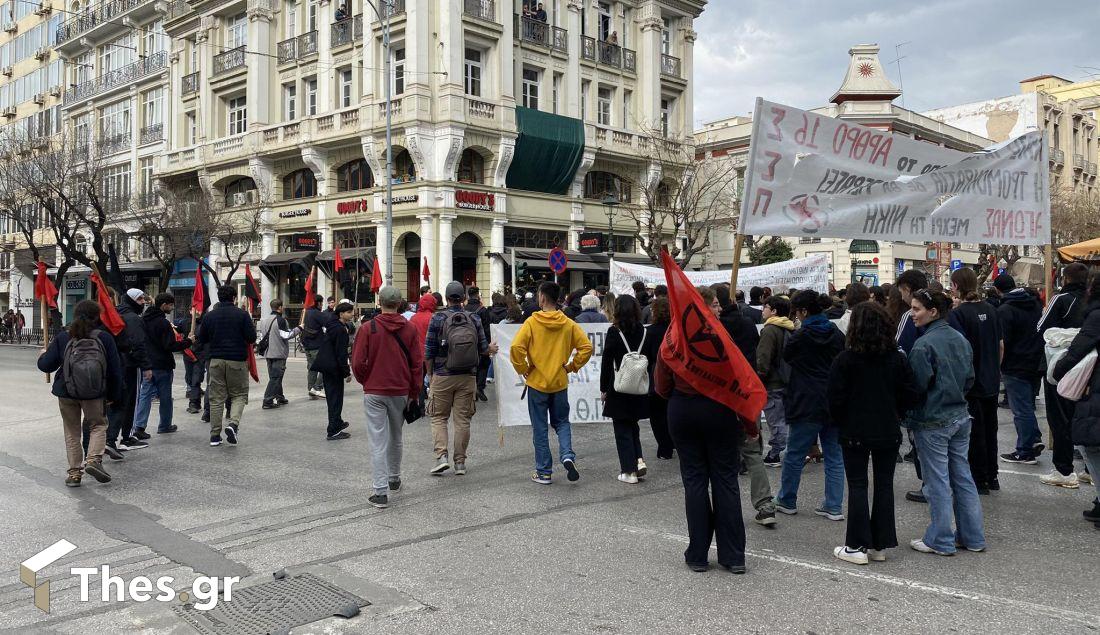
40, 98
42, 53
9, 71
9, 112
55, 91
242, 198
11, 27
44, 9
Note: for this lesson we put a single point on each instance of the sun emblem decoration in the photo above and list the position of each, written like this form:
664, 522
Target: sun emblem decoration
866, 70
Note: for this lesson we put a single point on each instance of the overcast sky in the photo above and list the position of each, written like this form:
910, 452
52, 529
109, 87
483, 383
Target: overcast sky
796, 52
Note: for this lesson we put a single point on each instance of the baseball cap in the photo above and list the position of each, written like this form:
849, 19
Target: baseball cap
455, 290
1004, 283
135, 294
388, 295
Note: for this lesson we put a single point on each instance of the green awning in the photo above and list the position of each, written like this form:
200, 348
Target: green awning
548, 152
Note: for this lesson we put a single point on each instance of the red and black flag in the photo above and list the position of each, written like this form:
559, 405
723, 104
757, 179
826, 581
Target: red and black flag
44, 287
376, 277
108, 314
200, 297
251, 289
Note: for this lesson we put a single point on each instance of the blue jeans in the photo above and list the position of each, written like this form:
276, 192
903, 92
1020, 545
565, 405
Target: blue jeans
1021, 398
949, 487
556, 405
161, 386
800, 437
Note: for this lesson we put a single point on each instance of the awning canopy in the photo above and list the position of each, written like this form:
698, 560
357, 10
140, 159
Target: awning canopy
548, 151
365, 255
1088, 251
299, 260
538, 259
138, 266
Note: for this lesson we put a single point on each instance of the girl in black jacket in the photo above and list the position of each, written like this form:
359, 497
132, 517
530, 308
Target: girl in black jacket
871, 386
624, 410
332, 363
658, 405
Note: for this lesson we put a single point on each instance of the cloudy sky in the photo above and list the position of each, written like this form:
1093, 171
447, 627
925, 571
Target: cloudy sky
796, 52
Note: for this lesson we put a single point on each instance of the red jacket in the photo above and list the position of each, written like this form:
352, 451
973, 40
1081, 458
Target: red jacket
425, 309
378, 362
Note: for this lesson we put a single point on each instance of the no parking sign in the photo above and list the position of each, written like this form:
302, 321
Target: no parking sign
557, 260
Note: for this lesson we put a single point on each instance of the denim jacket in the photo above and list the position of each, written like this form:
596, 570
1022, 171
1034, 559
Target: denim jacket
943, 365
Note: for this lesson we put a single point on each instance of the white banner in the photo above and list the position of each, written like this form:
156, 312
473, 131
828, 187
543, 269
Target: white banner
817, 176
801, 273
585, 405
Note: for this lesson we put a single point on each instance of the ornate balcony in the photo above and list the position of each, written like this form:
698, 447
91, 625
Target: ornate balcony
559, 39
670, 66
390, 10
1078, 162
345, 31
476, 109
610, 54
287, 50
152, 134
229, 60
189, 83
1057, 156
588, 48
630, 61
102, 13
114, 143
483, 9
307, 44
120, 77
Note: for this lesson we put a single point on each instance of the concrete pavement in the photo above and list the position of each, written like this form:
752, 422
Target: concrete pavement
491, 551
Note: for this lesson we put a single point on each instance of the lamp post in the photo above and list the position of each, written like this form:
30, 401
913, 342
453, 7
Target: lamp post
385, 19
610, 201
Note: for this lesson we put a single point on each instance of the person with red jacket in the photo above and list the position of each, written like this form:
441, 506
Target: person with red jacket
425, 309
388, 386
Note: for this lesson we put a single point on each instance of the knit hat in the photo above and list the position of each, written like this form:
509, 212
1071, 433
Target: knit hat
1004, 283
135, 294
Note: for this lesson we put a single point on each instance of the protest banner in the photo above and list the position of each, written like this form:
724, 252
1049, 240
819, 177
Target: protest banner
816, 176
585, 405
800, 273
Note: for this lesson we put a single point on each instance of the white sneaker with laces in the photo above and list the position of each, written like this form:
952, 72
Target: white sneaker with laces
1058, 479
1084, 477
856, 556
918, 545
877, 555
628, 478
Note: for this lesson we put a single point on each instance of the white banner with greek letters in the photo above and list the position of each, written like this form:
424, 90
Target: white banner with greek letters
816, 176
800, 273
585, 405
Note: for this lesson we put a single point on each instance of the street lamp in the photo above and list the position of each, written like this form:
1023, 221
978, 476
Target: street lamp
610, 201
385, 19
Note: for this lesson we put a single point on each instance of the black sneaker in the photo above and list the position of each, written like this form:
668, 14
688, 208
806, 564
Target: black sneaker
282, 401
994, 485
395, 485
915, 496
205, 418
983, 489
910, 455
766, 519
141, 434
231, 434
773, 459
95, 468
1019, 457
339, 436
481, 396
381, 501
1037, 449
736, 569
215, 440
571, 469
193, 410
1093, 515
269, 405
132, 443
169, 430
111, 451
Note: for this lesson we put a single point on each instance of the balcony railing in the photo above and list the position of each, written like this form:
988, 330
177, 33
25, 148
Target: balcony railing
670, 66
630, 61
535, 31
229, 60
177, 9
114, 143
345, 31
476, 109
610, 54
484, 9
91, 18
559, 39
1057, 156
120, 77
287, 50
307, 44
152, 134
1091, 168
189, 83
588, 48
397, 7
1078, 162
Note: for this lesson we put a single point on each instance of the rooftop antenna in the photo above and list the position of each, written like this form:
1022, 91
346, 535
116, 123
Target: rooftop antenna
898, 58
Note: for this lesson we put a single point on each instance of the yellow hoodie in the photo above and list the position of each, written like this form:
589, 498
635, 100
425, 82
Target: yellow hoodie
542, 349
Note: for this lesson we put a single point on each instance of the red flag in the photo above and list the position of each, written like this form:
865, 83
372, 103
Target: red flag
426, 272
700, 351
188, 353
44, 288
376, 277
338, 262
251, 289
199, 301
309, 287
252, 363
108, 314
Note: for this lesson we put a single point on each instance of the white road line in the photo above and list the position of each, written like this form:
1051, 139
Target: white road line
1086, 619
1003, 471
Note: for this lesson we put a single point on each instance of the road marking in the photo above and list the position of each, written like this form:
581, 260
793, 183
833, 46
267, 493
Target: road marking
1029, 608
1002, 471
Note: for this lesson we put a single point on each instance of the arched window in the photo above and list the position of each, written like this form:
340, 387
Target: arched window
404, 170
354, 175
598, 185
299, 184
663, 195
863, 247
471, 167
240, 192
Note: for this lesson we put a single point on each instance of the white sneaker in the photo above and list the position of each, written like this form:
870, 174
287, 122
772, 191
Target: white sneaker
642, 469
313, 392
847, 555
1057, 479
918, 545
628, 478
1082, 477
877, 555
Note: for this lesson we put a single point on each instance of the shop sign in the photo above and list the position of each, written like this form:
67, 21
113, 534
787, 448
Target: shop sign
76, 285
483, 201
352, 207
295, 213
305, 242
867, 262
592, 243
407, 198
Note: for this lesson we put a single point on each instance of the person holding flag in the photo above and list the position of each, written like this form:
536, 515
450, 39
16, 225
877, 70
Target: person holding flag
195, 368
131, 346
715, 399
161, 345
46, 294
313, 336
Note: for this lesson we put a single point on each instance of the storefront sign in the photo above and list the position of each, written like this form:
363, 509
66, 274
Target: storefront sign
592, 243
352, 207
865, 261
483, 201
76, 285
408, 198
295, 213
305, 242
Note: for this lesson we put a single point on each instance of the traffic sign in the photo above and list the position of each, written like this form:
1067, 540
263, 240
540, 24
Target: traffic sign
956, 265
557, 260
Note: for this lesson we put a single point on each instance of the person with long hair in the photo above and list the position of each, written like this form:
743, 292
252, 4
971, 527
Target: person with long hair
660, 320
810, 352
625, 335
978, 323
105, 383
513, 312
607, 306
943, 364
870, 388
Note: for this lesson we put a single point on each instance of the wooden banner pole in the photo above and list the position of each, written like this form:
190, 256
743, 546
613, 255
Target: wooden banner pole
1048, 271
738, 243
44, 309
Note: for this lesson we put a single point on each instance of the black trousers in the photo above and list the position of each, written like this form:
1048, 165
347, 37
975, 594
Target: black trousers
483, 371
334, 397
707, 436
983, 439
120, 416
916, 457
870, 527
628, 443
658, 420
276, 369
1060, 419
193, 375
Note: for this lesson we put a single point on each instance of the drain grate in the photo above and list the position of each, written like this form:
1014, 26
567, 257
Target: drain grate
274, 607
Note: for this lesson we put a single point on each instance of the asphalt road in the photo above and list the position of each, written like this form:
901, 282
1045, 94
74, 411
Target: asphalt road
491, 551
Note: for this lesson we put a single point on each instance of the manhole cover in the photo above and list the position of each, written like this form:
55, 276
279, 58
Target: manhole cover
274, 607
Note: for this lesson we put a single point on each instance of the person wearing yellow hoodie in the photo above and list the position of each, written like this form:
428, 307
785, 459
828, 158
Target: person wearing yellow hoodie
541, 354
774, 372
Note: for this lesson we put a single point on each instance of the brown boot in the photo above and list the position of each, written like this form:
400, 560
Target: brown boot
95, 468
73, 480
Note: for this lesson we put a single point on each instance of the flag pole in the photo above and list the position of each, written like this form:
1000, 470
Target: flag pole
738, 243
45, 327
1048, 273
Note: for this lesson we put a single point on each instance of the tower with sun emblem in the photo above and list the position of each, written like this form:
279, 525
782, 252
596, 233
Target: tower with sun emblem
866, 88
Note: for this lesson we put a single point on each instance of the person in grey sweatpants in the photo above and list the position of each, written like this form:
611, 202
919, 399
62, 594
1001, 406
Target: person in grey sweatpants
385, 420
760, 488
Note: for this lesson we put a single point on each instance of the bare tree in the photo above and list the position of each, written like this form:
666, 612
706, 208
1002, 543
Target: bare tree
1074, 216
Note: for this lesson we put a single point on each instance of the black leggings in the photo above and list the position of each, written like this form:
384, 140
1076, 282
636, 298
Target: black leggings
870, 527
628, 443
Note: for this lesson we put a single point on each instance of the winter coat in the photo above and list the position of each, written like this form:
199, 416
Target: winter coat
1085, 428
425, 309
978, 323
1066, 310
591, 316
1019, 315
769, 353
742, 331
227, 331
810, 351
160, 341
52, 361
943, 365
332, 356
497, 313
618, 405
312, 335
378, 362
542, 349
481, 311
131, 341
655, 336
869, 395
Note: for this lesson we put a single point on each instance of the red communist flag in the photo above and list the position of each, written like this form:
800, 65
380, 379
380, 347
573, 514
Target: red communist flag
427, 273
338, 262
252, 370
251, 289
43, 287
376, 277
699, 350
108, 314
310, 287
199, 301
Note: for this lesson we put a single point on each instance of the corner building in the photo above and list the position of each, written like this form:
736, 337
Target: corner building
508, 130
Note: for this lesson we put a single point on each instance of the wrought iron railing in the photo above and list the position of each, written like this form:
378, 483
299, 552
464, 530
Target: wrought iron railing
93, 17
532, 30
189, 83
287, 50
397, 6
119, 77
630, 60
114, 143
670, 65
152, 134
177, 9
307, 44
342, 32
559, 39
229, 60
611, 54
588, 48
1079, 161
484, 9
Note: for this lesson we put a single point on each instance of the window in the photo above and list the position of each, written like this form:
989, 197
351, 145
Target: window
627, 95
238, 116
299, 184
312, 9
666, 115
404, 170
154, 39
115, 182
345, 88
236, 31
603, 109
354, 175
145, 170
599, 184
863, 247
115, 54
291, 19
83, 68
398, 64
666, 36
604, 21
114, 121
584, 99
556, 90
194, 46
240, 192
290, 102
311, 96
473, 72
471, 167
190, 129
531, 88
152, 107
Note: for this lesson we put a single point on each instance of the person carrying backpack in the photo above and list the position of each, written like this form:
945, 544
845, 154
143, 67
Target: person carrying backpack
453, 349
88, 375
774, 371
624, 385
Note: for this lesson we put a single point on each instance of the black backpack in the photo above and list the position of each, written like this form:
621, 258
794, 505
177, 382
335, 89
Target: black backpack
84, 367
459, 336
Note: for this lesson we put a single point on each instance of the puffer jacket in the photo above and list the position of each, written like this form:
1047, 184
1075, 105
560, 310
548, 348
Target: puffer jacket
810, 351
1085, 429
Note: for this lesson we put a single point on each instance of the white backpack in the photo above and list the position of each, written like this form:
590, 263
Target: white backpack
632, 375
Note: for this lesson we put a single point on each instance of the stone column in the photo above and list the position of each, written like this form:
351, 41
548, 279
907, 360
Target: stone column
446, 244
207, 123
215, 263
649, 71
261, 69
571, 88
496, 246
325, 17
319, 161
428, 249
686, 100
267, 288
